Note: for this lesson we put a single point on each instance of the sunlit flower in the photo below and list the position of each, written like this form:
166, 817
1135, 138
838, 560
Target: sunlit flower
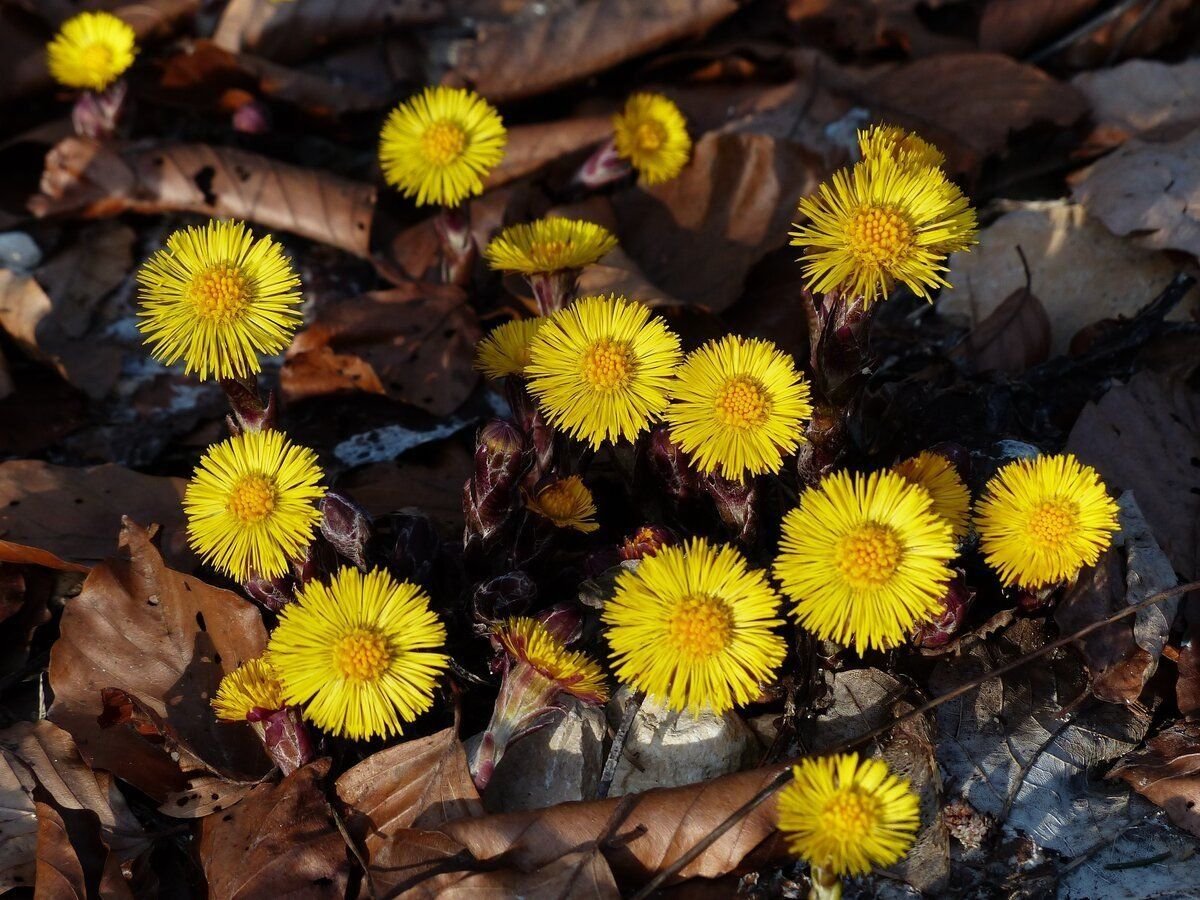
937, 475
652, 134
567, 503
548, 245
739, 406
602, 368
252, 685
506, 350
846, 815
91, 51
252, 504
1040, 521
903, 146
864, 557
693, 626
218, 299
360, 654
879, 223
529, 641
440, 145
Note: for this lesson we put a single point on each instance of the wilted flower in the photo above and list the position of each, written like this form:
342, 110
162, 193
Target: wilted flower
651, 133
505, 351
937, 475
91, 50
567, 503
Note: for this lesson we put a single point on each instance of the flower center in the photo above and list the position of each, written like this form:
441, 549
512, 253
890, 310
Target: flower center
443, 142
650, 135
220, 293
252, 499
362, 655
852, 814
879, 235
548, 253
1053, 522
743, 403
96, 57
607, 365
868, 556
700, 626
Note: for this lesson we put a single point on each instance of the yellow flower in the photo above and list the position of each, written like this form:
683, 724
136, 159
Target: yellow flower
846, 816
360, 654
879, 223
218, 299
937, 475
91, 50
652, 134
567, 503
506, 350
252, 685
440, 145
1040, 521
864, 557
602, 368
529, 641
251, 504
548, 245
904, 146
693, 627
739, 406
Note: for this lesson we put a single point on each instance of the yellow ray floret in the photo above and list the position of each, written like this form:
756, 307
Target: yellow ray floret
529, 641
218, 299
1040, 521
652, 134
440, 145
602, 368
567, 503
361, 654
739, 406
548, 245
864, 557
905, 146
252, 685
937, 475
91, 51
694, 627
880, 223
847, 815
505, 351
252, 504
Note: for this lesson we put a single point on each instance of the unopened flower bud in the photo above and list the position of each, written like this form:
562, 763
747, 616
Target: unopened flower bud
668, 466
491, 494
284, 735
346, 526
249, 413
97, 115
737, 503
646, 541
955, 605
272, 593
252, 118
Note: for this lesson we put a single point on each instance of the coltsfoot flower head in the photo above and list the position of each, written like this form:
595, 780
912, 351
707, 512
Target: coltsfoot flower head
903, 146
739, 406
937, 475
846, 815
693, 626
879, 223
252, 685
567, 503
218, 299
652, 134
505, 351
864, 557
1040, 521
91, 51
439, 145
360, 654
252, 504
553, 244
529, 641
602, 368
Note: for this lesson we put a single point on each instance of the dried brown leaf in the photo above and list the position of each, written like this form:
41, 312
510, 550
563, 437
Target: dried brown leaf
532, 146
1016, 27
59, 873
1167, 773
20, 555
868, 26
581, 874
1014, 337
18, 825
1143, 97
91, 179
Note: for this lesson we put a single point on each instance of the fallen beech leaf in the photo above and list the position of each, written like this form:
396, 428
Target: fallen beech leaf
1143, 97
532, 146
1140, 29
1187, 685
59, 873
89, 179
165, 639
19, 554
416, 341
279, 841
543, 49
1014, 337
1144, 437
1150, 191
583, 873
1016, 27
18, 825
320, 371
1167, 773
74, 513
868, 26
969, 103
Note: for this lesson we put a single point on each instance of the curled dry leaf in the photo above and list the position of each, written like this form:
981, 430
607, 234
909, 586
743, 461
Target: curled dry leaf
280, 841
532, 146
90, 179
1014, 337
165, 639
1167, 773
542, 49
18, 825
1017, 27
1143, 98
58, 873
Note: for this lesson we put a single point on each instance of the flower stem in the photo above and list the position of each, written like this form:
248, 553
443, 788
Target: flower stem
453, 226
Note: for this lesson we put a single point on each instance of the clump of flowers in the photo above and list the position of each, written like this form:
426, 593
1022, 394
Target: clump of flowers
91, 50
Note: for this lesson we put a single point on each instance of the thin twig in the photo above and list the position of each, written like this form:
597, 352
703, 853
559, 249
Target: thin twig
632, 704
1091, 25
1143, 17
352, 845
786, 775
